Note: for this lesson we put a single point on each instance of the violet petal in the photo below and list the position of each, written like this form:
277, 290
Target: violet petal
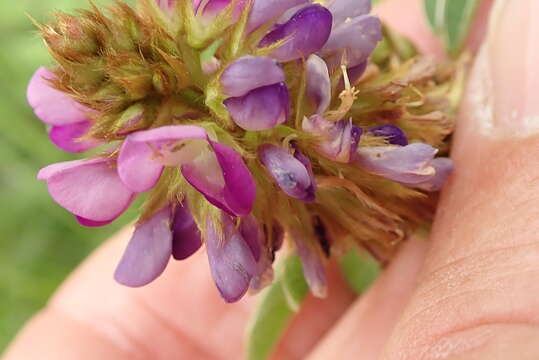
264, 11
318, 83
138, 164
347, 9
147, 253
91, 223
290, 173
52, 106
339, 140
231, 260
248, 73
444, 167
356, 38
90, 189
305, 33
260, 109
185, 233
237, 194
406, 164
66, 137
393, 134
313, 266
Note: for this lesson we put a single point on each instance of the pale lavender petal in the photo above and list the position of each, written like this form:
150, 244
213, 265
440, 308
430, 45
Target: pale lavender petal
185, 233
52, 106
248, 73
231, 260
356, 38
214, 7
251, 233
237, 194
260, 109
90, 189
318, 83
406, 164
393, 134
138, 165
264, 11
305, 33
345, 9
147, 253
91, 223
444, 167
338, 140
66, 137
289, 172
313, 266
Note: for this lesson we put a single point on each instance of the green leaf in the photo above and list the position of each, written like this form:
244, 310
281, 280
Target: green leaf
451, 20
277, 304
294, 285
359, 270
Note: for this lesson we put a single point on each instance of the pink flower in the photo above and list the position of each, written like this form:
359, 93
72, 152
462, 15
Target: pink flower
68, 119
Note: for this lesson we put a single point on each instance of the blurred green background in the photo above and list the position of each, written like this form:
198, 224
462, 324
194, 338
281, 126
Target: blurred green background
40, 243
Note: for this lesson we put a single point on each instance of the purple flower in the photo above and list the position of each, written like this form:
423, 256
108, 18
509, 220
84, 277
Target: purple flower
339, 141
186, 237
413, 165
148, 251
264, 11
292, 172
318, 83
355, 34
443, 167
259, 97
171, 231
232, 258
211, 8
313, 267
260, 109
68, 119
249, 73
304, 34
393, 134
90, 189
215, 170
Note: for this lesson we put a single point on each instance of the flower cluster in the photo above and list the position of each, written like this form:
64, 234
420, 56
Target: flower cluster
240, 121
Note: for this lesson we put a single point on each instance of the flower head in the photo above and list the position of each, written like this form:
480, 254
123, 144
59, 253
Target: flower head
241, 121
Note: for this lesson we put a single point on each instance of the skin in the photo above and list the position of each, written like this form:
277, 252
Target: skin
470, 292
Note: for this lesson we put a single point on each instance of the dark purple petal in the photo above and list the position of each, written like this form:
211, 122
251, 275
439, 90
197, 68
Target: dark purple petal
140, 164
260, 109
305, 33
292, 176
356, 38
147, 253
229, 186
313, 266
185, 233
90, 189
52, 106
91, 223
339, 140
264, 11
444, 167
409, 164
354, 73
248, 73
66, 137
318, 83
231, 260
392, 133
345, 9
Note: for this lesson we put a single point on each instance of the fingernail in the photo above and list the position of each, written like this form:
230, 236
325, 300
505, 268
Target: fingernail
509, 61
